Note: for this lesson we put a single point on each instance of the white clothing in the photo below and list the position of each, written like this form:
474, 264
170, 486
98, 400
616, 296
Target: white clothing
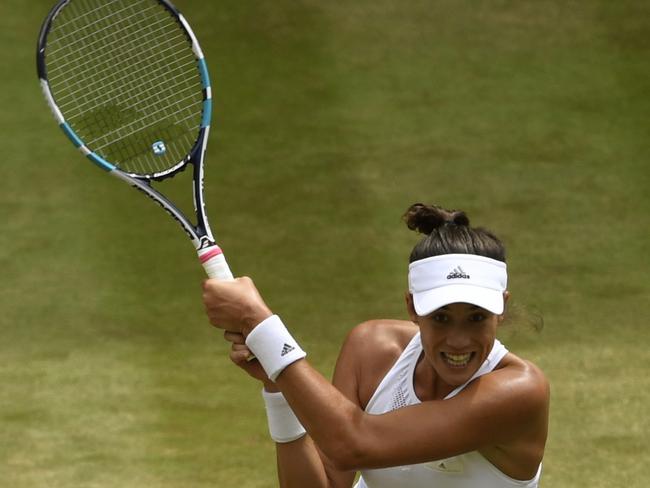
469, 470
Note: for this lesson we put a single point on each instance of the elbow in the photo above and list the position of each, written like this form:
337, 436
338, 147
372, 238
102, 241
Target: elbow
348, 450
346, 458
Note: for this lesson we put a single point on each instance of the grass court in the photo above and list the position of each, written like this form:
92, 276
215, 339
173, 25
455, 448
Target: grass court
330, 119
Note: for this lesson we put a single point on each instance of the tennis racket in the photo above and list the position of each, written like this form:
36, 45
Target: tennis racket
128, 85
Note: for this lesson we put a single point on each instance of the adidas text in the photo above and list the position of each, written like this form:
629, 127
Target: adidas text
458, 273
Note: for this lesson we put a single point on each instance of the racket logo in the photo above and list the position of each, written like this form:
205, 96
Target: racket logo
159, 148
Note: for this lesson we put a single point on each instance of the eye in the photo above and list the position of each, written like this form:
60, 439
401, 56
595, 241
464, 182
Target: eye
477, 317
440, 317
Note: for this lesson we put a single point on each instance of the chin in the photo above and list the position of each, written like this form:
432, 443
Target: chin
456, 374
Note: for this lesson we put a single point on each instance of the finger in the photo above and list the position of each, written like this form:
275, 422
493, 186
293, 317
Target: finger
206, 284
234, 337
214, 321
240, 357
243, 347
219, 324
240, 347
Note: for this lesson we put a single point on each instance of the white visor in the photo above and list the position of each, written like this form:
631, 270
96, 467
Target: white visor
457, 278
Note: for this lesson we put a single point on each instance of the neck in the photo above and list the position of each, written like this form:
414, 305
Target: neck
427, 383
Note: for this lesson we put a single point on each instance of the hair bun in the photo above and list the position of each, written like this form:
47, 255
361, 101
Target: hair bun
426, 218
458, 217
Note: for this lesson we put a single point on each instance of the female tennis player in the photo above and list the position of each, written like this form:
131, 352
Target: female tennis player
437, 402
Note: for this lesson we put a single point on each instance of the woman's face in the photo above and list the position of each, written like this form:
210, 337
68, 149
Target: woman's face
456, 339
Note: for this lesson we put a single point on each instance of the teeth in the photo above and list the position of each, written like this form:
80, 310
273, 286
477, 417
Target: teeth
457, 359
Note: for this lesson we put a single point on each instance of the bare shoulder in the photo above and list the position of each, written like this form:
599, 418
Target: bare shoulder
523, 378
369, 351
515, 396
516, 389
381, 335
515, 393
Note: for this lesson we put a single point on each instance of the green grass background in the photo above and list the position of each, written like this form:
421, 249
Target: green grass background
330, 119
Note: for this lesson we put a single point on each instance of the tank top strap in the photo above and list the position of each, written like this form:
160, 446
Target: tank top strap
398, 379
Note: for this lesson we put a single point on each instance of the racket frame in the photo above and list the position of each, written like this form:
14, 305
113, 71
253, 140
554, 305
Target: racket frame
200, 233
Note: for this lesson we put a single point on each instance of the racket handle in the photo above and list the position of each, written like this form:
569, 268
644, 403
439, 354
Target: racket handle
214, 263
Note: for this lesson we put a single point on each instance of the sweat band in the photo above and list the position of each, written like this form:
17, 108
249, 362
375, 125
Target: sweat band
273, 346
284, 426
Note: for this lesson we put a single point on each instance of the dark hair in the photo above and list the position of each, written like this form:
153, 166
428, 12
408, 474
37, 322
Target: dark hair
449, 232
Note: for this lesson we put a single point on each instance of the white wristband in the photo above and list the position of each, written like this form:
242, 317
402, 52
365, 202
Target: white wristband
284, 426
273, 346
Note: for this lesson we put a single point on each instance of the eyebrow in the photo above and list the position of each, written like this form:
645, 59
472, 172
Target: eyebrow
472, 307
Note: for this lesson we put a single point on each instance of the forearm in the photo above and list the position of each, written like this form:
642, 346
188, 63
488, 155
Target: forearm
300, 465
331, 419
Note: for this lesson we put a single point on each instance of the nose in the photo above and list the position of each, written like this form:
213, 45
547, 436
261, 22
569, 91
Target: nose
457, 338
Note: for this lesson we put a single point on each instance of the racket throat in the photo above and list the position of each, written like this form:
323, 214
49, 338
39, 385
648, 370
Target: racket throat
145, 187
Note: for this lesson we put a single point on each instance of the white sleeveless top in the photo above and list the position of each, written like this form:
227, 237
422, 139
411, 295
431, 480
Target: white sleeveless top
469, 470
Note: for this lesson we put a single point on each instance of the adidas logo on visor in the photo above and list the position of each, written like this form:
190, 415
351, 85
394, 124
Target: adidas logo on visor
458, 273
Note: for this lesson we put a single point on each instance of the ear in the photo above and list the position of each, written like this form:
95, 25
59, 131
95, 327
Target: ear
411, 308
506, 297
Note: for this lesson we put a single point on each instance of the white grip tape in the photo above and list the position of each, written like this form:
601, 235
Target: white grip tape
214, 263
274, 346
284, 426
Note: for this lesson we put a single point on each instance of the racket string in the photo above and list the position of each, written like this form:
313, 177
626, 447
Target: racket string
92, 55
117, 85
79, 17
128, 107
93, 33
141, 120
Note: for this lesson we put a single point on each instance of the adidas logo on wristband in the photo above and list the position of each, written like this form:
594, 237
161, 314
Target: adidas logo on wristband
286, 350
269, 338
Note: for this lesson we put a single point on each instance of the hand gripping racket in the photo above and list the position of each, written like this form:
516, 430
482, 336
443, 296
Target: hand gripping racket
128, 85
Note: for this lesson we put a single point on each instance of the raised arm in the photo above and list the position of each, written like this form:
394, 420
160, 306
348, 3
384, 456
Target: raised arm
299, 462
505, 408
499, 409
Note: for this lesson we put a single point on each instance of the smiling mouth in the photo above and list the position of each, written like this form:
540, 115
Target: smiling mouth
457, 360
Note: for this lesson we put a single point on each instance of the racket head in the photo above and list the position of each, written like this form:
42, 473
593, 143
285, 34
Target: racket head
128, 84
